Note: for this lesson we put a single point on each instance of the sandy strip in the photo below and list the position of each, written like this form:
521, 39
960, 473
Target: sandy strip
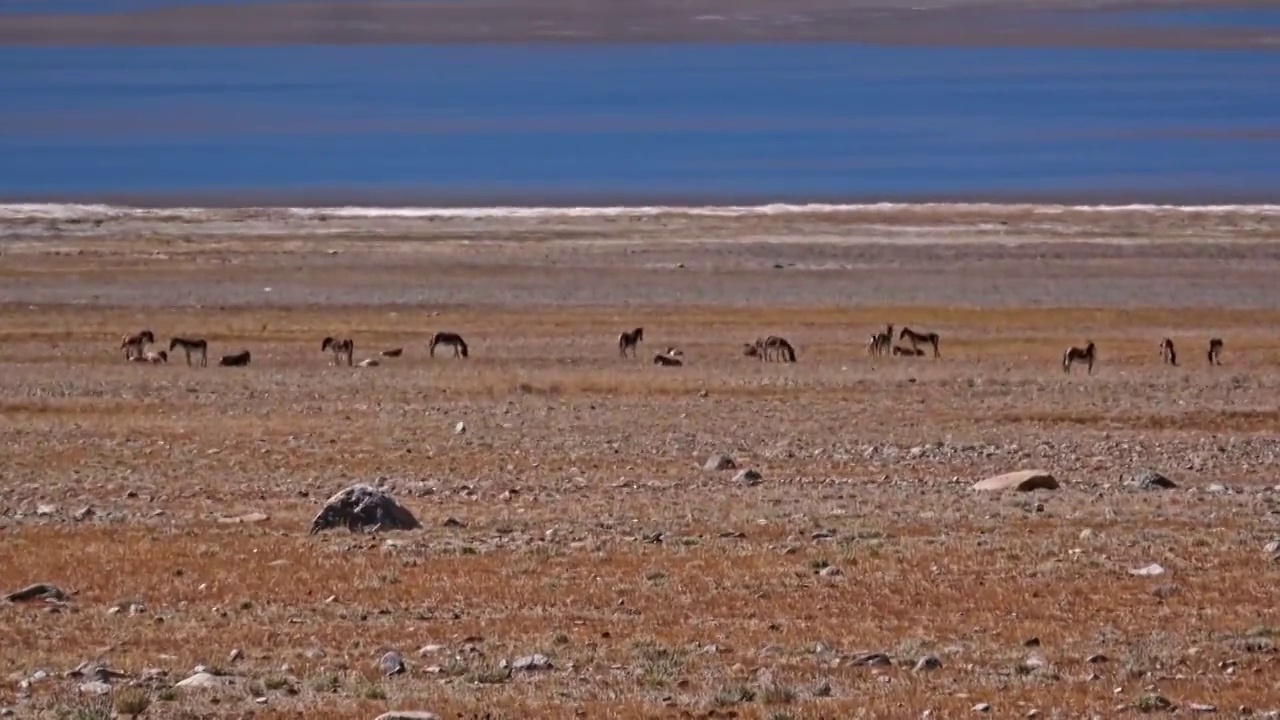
885, 222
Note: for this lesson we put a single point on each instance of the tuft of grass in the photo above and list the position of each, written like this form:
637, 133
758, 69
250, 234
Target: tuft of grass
132, 702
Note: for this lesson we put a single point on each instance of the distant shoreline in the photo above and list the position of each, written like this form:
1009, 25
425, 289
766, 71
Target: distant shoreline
271, 199
973, 23
19, 213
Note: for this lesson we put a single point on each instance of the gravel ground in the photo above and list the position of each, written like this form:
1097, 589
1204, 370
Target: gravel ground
576, 557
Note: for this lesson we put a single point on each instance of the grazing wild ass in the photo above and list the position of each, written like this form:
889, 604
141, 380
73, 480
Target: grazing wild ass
770, 348
448, 338
133, 344
339, 348
1215, 351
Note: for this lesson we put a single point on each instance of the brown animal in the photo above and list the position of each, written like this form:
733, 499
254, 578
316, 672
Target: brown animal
240, 359
447, 338
1215, 351
770, 348
916, 338
667, 360
1167, 352
1074, 355
134, 344
191, 345
154, 358
629, 340
873, 345
778, 348
882, 341
339, 348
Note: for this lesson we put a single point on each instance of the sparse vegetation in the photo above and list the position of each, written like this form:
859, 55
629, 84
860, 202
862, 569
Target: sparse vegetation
573, 518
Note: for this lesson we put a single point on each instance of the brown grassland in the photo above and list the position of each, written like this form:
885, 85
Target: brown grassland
586, 528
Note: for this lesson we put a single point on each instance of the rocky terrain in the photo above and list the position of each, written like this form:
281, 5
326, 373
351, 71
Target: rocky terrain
605, 537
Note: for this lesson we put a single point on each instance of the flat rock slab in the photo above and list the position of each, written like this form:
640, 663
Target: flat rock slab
204, 681
408, 715
38, 591
1020, 481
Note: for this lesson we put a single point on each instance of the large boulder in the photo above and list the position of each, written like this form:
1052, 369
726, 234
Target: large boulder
1020, 481
364, 507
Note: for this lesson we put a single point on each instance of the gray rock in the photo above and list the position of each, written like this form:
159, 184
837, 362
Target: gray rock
748, 477
94, 687
1021, 481
1152, 480
203, 681
719, 462
928, 662
38, 591
391, 663
982, 707
830, 571
874, 659
531, 663
408, 715
1034, 662
362, 507
253, 517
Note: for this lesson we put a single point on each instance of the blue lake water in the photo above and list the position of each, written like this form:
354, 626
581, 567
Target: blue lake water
786, 121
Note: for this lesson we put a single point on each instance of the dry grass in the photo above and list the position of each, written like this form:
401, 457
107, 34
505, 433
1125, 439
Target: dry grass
573, 460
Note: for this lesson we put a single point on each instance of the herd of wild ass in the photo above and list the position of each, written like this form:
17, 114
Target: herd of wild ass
771, 348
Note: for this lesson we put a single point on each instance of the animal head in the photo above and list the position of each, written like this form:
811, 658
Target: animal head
463, 349
750, 349
147, 336
327, 343
163, 356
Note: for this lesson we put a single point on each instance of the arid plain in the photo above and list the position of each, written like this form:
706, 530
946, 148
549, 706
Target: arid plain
565, 505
